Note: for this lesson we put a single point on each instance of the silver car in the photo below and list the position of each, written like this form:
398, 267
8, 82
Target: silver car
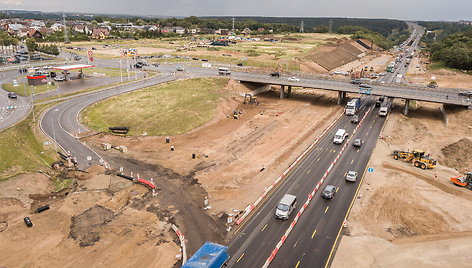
351, 176
329, 191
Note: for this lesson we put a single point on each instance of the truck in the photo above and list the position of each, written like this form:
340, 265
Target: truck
352, 106
390, 67
385, 107
223, 71
210, 255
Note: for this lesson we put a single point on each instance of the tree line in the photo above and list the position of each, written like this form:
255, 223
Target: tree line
454, 50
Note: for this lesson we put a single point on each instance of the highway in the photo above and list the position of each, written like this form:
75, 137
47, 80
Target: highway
256, 240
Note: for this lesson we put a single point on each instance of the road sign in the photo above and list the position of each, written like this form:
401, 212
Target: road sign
370, 170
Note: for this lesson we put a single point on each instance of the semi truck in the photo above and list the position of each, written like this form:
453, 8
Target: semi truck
210, 255
352, 106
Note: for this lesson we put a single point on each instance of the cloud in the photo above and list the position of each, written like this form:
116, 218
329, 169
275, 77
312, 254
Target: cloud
11, 2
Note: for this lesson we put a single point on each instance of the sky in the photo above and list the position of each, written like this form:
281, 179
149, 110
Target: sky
452, 10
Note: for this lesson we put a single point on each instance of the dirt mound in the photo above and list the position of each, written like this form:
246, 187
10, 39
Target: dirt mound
457, 155
401, 213
343, 54
85, 227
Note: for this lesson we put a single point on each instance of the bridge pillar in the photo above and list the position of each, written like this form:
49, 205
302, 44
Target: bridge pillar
341, 96
282, 88
289, 91
405, 109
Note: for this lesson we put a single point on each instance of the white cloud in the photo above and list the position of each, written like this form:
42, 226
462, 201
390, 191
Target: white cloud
11, 2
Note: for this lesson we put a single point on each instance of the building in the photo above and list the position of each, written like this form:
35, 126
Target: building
100, 33
35, 33
57, 27
246, 31
13, 28
82, 28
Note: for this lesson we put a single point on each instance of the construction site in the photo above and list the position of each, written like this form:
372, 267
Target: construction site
405, 214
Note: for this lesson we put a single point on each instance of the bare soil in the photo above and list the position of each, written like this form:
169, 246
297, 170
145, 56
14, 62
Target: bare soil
82, 227
405, 216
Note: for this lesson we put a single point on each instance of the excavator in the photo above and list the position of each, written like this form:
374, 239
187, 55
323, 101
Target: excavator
463, 181
418, 158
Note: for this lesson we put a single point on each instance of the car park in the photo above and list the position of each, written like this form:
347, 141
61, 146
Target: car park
357, 143
12, 95
329, 191
351, 176
293, 79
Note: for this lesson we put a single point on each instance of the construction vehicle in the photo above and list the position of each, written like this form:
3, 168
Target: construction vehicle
463, 181
417, 157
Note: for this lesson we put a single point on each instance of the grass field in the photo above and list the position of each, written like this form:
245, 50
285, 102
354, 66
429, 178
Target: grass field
23, 88
21, 150
168, 109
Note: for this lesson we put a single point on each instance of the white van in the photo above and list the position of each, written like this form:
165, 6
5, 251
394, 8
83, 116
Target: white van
285, 206
340, 135
223, 71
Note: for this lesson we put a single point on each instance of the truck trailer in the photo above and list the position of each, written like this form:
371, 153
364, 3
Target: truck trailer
352, 106
210, 255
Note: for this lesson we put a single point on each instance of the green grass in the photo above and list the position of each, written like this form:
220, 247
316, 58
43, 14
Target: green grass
168, 109
23, 88
21, 150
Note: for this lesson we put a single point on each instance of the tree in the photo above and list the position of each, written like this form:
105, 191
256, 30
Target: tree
31, 45
321, 29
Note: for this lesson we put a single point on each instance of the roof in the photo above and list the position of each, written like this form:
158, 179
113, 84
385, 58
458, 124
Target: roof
73, 67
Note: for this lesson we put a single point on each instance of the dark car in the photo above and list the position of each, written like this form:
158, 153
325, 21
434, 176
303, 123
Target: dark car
138, 66
194, 58
356, 81
12, 95
28, 222
466, 93
355, 119
357, 143
275, 74
239, 64
365, 86
204, 60
77, 58
329, 191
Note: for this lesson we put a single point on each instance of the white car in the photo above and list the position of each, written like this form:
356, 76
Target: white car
351, 176
293, 79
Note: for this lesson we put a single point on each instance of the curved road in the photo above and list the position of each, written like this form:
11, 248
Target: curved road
61, 122
21, 106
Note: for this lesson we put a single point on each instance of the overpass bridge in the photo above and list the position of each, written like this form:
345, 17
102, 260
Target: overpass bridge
434, 95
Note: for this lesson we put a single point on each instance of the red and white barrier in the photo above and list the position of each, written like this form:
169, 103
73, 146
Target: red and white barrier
182, 243
250, 208
310, 197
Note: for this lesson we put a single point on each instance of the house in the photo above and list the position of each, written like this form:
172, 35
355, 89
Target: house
45, 31
13, 28
222, 31
260, 30
23, 32
100, 33
37, 24
35, 33
57, 27
82, 28
246, 31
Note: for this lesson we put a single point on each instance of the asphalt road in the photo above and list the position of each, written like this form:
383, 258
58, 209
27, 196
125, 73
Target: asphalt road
12, 110
61, 122
257, 238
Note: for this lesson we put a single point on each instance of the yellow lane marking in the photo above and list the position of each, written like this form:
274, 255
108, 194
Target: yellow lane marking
298, 263
240, 257
357, 150
374, 121
313, 235
264, 227
326, 209
367, 134
352, 161
308, 172
318, 159
370, 126
337, 189
345, 174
